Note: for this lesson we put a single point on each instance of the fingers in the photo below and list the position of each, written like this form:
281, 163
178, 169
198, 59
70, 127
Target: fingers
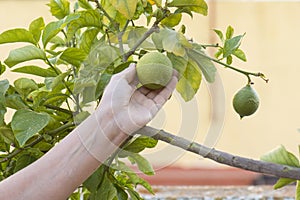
165, 93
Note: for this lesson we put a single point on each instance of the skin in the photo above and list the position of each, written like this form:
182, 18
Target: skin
123, 110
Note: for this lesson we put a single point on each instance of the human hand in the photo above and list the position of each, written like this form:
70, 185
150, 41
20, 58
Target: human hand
130, 107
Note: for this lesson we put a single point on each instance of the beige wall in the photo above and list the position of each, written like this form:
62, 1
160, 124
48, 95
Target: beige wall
271, 44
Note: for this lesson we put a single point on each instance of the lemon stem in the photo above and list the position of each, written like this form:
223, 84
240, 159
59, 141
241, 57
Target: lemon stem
246, 73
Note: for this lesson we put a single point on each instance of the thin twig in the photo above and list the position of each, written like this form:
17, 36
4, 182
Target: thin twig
263, 167
153, 29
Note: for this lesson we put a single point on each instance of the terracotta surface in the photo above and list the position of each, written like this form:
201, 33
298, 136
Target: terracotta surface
220, 192
202, 176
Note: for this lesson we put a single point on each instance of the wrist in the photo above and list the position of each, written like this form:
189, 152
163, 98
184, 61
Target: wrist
100, 135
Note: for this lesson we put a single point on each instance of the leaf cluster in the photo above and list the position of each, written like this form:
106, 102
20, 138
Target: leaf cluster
75, 56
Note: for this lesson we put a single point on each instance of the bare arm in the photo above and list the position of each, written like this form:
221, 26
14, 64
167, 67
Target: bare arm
60, 171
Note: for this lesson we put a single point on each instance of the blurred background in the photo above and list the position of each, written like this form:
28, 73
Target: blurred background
272, 46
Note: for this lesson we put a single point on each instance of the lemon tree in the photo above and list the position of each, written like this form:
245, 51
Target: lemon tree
78, 52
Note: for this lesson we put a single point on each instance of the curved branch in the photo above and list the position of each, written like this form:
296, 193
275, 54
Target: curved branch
263, 167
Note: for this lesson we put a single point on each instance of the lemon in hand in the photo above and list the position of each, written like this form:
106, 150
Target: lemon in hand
154, 70
246, 101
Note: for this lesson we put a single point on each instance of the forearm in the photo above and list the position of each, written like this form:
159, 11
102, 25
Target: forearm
67, 165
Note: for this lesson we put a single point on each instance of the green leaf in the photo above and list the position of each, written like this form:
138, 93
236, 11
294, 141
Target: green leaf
59, 8
283, 182
207, 67
179, 63
73, 56
4, 85
23, 161
231, 45
27, 123
281, 156
53, 28
36, 27
171, 41
198, 6
220, 34
121, 194
189, 83
87, 39
24, 86
88, 18
15, 101
297, 196
94, 180
133, 177
172, 20
143, 164
7, 135
134, 36
85, 4
240, 54
17, 35
2, 68
229, 60
229, 32
24, 54
35, 70
140, 143
107, 189
134, 195
126, 7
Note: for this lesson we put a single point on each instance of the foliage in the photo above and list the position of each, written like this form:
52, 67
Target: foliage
75, 56
281, 156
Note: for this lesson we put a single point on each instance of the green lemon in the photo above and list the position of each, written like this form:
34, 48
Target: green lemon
154, 70
246, 101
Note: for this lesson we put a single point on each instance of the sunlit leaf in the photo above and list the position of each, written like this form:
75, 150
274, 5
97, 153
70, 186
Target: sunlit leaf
36, 27
134, 178
27, 123
23, 54
59, 8
125, 7
189, 83
73, 56
240, 54
87, 39
297, 196
172, 20
283, 182
229, 32
88, 18
220, 34
35, 70
2, 68
85, 4
17, 35
198, 6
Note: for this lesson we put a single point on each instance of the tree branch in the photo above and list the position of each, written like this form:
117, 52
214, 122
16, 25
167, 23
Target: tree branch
153, 29
263, 167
